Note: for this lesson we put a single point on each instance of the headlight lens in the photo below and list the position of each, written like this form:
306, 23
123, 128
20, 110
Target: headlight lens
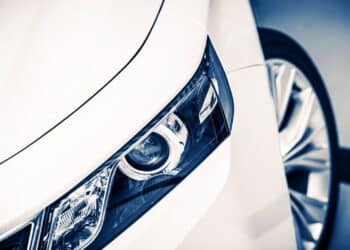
147, 167
77, 218
150, 154
159, 153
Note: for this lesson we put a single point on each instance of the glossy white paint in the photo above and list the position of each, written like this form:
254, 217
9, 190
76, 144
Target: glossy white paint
231, 27
42, 173
56, 54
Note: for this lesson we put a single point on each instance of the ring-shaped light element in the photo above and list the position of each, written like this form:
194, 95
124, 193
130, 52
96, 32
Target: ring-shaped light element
174, 132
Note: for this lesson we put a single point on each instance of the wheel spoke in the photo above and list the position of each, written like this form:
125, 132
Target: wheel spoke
305, 166
284, 85
302, 224
313, 161
272, 76
298, 122
312, 209
311, 136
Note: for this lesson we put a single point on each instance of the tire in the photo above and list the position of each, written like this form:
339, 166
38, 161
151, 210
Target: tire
278, 45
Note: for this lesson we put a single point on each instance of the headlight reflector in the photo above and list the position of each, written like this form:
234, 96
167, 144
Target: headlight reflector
77, 218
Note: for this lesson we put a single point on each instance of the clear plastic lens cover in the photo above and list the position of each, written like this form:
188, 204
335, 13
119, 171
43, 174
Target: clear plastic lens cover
77, 218
147, 167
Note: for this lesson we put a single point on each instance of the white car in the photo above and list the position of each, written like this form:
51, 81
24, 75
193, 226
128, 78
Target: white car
159, 125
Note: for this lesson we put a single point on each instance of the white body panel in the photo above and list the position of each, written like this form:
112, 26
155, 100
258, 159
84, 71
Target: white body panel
233, 32
55, 55
244, 174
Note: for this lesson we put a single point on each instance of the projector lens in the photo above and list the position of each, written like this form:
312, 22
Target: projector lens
150, 154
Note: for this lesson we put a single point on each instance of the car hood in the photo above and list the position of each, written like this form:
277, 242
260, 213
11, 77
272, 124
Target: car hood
55, 55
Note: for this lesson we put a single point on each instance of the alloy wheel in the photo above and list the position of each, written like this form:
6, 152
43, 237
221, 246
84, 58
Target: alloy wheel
305, 149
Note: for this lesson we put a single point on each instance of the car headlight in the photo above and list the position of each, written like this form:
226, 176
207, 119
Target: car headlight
138, 175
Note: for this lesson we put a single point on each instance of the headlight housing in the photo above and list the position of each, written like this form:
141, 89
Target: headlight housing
138, 175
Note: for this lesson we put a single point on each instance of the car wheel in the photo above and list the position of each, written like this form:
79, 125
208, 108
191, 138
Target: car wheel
307, 138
